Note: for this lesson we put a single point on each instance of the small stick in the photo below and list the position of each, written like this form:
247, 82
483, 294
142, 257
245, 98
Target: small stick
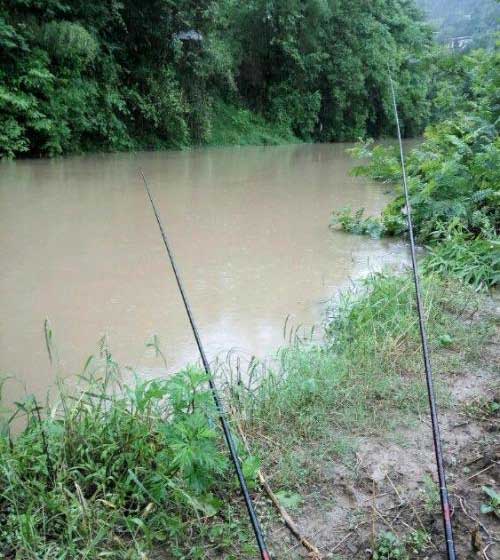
314, 552
479, 472
340, 543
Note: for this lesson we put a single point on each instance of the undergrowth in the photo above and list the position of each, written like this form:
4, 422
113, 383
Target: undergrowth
454, 184
237, 126
130, 468
141, 467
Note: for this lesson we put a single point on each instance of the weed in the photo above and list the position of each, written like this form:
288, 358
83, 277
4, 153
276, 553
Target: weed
133, 466
389, 547
482, 408
493, 503
417, 541
476, 261
431, 493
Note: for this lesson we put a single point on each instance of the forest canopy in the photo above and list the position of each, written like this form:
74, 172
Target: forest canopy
120, 75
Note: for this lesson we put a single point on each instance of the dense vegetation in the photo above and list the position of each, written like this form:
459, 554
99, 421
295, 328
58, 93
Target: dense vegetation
119, 75
125, 467
139, 470
454, 176
477, 19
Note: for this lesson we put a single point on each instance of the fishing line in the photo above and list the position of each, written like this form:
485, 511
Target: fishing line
438, 446
259, 536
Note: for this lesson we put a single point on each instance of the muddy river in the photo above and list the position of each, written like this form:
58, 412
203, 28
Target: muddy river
79, 245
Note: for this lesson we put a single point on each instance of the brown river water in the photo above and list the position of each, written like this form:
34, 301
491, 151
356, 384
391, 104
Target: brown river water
249, 227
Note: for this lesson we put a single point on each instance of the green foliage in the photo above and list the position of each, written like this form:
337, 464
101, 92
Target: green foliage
368, 364
80, 76
475, 261
482, 408
69, 43
389, 547
417, 541
493, 504
431, 492
130, 466
454, 182
354, 222
384, 163
237, 126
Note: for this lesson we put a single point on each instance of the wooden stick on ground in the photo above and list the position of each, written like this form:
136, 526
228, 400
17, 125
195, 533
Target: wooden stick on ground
314, 553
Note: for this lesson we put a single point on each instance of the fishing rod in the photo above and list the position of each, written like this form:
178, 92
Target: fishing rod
436, 435
259, 535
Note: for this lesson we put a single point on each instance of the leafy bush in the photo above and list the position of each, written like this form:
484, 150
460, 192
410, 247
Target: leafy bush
454, 184
69, 43
384, 163
130, 466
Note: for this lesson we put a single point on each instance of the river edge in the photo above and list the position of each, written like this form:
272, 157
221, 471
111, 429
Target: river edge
84, 223
374, 494
317, 429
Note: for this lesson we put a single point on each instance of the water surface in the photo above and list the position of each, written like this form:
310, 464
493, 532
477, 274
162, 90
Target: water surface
249, 227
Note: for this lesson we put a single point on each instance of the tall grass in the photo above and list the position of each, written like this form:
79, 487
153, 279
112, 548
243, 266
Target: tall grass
132, 466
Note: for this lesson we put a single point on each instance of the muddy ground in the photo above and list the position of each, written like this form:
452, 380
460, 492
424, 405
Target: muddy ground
388, 486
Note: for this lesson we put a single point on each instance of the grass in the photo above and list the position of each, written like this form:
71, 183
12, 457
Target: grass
366, 378
235, 126
141, 469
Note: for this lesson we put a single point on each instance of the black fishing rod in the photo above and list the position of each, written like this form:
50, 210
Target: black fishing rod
259, 536
438, 446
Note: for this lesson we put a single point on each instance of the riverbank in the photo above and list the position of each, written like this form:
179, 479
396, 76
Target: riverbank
141, 471
351, 441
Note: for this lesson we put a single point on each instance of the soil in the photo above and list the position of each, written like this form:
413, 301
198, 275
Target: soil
389, 488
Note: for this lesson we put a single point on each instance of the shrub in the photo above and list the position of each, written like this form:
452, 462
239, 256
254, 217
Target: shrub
130, 466
69, 43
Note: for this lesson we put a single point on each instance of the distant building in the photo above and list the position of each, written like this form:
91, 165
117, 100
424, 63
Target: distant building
190, 35
459, 43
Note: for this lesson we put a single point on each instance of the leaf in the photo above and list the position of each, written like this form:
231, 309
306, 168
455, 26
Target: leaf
485, 508
445, 340
251, 466
495, 497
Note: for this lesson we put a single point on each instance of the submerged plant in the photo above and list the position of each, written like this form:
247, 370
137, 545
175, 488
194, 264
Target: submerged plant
355, 222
